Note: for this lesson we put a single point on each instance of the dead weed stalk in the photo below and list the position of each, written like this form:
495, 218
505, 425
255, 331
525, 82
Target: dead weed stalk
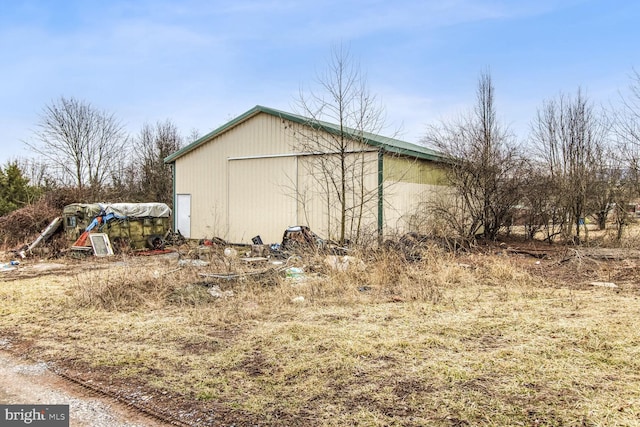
129, 288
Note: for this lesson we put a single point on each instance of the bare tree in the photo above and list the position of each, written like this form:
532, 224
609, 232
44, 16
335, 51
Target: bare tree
623, 193
609, 178
36, 171
79, 141
571, 141
484, 167
538, 211
626, 125
337, 159
154, 143
194, 135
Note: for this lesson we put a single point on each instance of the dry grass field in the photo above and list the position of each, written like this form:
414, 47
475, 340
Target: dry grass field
492, 337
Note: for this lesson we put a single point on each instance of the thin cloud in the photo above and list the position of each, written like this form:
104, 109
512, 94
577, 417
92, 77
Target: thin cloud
199, 62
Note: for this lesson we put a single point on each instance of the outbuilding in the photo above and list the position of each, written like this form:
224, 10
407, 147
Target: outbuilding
262, 172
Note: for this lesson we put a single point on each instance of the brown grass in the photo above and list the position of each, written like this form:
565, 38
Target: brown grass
22, 226
468, 340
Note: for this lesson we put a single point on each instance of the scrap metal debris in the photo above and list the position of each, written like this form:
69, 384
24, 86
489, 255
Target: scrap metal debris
44, 236
9, 266
273, 268
604, 284
193, 263
300, 237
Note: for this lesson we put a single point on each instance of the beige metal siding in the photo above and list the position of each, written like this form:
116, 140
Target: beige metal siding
409, 185
405, 206
314, 200
261, 198
243, 183
317, 197
203, 171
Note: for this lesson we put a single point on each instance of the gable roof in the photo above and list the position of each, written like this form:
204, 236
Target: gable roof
390, 145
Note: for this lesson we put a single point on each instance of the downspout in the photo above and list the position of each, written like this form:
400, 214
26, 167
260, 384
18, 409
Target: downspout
380, 194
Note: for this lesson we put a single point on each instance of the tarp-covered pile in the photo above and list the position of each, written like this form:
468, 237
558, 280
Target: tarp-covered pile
121, 210
138, 225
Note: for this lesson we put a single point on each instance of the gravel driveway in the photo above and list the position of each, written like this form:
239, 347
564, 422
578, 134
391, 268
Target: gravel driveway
24, 382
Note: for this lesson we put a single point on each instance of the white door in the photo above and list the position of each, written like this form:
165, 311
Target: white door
183, 214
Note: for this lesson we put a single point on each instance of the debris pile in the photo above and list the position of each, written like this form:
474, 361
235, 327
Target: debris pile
126, 225
96, 228
25, 224
413, 245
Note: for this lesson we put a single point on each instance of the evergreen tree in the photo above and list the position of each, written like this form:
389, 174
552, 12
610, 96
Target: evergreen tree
15, 191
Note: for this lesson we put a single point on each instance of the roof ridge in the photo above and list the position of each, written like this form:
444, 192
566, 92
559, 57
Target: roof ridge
386, 143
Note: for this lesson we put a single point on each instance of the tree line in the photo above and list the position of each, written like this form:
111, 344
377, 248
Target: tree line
578, 164
86, 151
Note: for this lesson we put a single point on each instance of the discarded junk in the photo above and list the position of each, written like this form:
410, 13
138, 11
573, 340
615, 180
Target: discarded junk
300, 237
127, 225
43, 237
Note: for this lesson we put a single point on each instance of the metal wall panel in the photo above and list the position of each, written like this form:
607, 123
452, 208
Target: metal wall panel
409, 185
255, 165
405, 205
317, 196
261, 198
203, 172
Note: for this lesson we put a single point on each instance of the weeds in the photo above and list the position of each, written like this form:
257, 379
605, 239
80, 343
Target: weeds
473, 340
121, 290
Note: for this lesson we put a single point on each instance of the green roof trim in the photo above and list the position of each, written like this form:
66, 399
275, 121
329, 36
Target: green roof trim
390, 145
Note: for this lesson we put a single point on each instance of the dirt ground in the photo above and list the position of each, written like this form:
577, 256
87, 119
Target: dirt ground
23, 382
28, 382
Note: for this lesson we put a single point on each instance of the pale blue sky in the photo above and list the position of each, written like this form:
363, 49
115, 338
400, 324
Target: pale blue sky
200, 63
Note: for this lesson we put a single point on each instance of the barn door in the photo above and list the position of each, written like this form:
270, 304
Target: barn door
262, 198
183, 214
